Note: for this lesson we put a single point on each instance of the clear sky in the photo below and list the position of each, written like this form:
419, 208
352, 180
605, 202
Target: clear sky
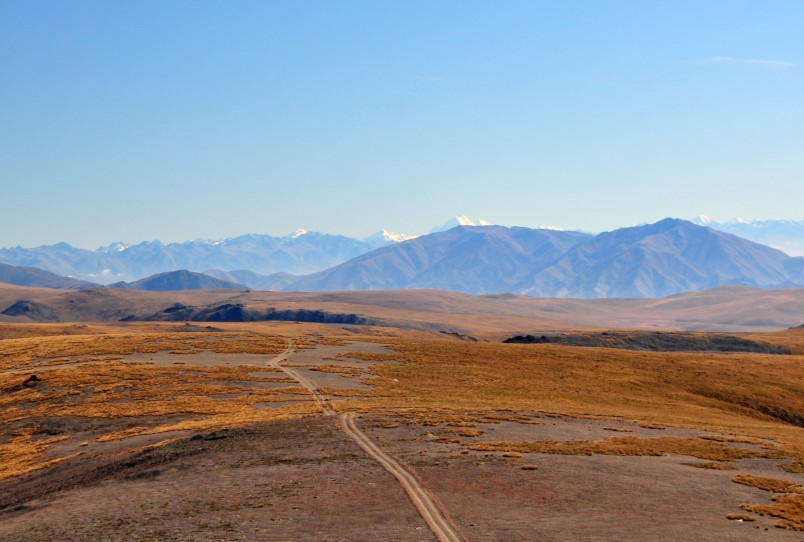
174, 120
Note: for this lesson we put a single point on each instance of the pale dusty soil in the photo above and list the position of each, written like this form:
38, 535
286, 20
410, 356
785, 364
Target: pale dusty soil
580, 497
306, 480
298, 480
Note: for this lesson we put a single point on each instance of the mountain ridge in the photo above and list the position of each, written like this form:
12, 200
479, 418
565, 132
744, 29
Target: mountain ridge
654, 260
651, 260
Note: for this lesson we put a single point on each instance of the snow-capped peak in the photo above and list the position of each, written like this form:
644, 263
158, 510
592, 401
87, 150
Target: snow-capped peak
552, 228
460, 220
385, 237
703, 220
114, 247
396, 237
299, 232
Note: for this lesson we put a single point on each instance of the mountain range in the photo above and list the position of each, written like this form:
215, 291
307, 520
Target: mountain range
302, 252
653, 260
785, 235
32, 276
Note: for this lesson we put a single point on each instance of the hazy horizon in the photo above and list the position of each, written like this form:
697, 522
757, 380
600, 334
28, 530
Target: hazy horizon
184, 120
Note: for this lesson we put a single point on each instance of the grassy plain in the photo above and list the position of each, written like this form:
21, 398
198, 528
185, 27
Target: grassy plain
97, 385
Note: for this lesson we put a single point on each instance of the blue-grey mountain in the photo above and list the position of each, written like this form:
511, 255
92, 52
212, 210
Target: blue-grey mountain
656, 260
786, 235
178, 280
37, 278
469, 259
305, 252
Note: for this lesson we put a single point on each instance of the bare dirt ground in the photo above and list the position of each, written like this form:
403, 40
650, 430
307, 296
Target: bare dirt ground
307, 478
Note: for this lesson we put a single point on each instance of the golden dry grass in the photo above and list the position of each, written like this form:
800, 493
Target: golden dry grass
788, 507
710, 465
18, 353
431, 382
741, 517
468, 432
628, 446
769, 484
337, 369
748, 395
85, 376
23, 454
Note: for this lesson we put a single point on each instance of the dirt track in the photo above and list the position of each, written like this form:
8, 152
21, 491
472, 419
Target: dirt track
427, 504
316, 478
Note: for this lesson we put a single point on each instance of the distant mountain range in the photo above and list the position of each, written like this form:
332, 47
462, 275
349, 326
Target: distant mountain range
302, 252
653, 260
468, 259
32, 276
785, 235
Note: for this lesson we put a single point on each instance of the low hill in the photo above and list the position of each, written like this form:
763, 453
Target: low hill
38, 278
493, 317
178, 280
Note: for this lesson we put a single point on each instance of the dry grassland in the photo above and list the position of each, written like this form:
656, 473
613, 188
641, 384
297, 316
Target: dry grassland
630, 446
748, 395
757, 400
788, 503
82, 376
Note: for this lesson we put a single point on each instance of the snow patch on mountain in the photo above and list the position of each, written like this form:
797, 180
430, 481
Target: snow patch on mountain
785, 235
299, 232
460, 220
385, 237
552, 228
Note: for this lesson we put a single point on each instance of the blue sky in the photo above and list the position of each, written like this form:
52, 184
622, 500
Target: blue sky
178, 120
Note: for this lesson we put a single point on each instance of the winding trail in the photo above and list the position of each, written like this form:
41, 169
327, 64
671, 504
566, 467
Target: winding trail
429, 507
321, 400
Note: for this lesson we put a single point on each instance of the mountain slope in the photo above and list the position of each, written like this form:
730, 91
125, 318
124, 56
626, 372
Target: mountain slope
32, 276
786, 235
469, 259
178, 280
656, 260
304, 252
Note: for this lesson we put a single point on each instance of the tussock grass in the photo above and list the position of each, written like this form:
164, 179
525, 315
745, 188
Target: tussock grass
795, 467
83, 376
15, 353
337, 369
769, 484
628, 446
23, 453
711, 465
468, 432
741, 517
788, 507
755, 395
368, 356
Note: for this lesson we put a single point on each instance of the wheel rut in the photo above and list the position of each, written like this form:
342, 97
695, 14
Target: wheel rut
429, 507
